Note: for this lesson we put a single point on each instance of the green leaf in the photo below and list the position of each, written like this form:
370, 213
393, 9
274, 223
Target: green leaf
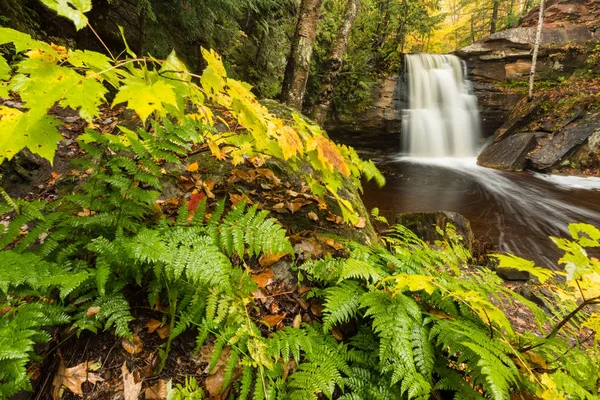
41, 84
71, 9
144, 98
4, 69
23, 41
174, 68
518, 263
19, 130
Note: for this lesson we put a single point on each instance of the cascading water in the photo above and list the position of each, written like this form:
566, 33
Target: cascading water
442, 119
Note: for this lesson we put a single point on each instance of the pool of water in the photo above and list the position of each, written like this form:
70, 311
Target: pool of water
516, 211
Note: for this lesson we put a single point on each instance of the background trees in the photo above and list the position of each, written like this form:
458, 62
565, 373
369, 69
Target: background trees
269, 43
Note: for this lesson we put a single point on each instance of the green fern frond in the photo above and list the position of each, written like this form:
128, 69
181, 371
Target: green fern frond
341, 303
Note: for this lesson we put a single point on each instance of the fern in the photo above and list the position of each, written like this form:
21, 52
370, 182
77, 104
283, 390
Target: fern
341, 303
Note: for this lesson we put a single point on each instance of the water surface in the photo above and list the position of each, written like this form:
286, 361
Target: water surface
516, 211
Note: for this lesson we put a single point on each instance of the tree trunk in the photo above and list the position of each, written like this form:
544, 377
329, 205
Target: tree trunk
494, 17
334, 64
298, 65
536, 47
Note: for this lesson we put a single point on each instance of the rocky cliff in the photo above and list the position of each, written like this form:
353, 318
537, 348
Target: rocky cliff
499, 65
556, 130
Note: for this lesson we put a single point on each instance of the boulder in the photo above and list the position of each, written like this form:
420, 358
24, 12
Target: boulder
424, 225
555, 149
508, 154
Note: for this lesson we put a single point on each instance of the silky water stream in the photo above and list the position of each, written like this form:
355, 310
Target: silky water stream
437, 170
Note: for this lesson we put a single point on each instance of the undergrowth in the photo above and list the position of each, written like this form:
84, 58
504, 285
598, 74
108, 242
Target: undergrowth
422, 325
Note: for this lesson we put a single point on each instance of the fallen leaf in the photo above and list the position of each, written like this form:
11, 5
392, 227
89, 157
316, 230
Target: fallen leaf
72, 378
131, 390
361, 223
268, 260
316, 308
279, 207
195, 198
238, 198
92, 311
258, 295
313, 216
133, 347
273, 320
192, 167
214, 383
296, 205
157, 391
86, 213
53, 177
153, 325
311, 246
264, 278
337, 334
163, 331
331, 242
297, 321
269, 175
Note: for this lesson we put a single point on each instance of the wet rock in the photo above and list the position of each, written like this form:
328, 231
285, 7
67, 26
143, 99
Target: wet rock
384, 113
424, 225
510, 274
508, 154
282, 272
23, 172
555, 149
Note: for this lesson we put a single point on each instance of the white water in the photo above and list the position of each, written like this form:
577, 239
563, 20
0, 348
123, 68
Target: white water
442, 119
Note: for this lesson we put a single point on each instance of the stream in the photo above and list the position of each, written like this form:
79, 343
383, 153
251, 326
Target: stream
516, 211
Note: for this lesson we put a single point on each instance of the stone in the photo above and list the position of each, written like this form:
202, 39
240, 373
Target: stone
517, 69
510, 274
509, 153
424, 225
555, 149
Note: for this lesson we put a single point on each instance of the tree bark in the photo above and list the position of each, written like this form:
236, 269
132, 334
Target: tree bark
334, 64
536, 47
298, 65
494, 20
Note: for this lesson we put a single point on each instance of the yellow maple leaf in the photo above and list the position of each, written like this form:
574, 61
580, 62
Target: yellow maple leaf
289, 141
328, 154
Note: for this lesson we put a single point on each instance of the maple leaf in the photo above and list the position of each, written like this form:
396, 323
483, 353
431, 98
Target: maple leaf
73, 378
40, 137
174, 67
48, 83
22, 41
131, 389
144, 98
289, 141
328, 154
4, 69
71, 9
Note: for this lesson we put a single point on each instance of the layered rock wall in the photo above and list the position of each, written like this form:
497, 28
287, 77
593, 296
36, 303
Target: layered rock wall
499, 65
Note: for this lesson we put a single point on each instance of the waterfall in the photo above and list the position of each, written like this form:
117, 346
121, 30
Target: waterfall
442, 118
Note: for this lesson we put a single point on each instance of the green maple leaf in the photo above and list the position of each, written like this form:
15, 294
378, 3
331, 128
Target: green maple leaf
86, 96
23, 41
71, 9
41, 84
4, 69
144, 98
25, 129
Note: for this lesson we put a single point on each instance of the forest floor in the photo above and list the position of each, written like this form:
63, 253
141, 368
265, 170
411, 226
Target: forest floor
102, 366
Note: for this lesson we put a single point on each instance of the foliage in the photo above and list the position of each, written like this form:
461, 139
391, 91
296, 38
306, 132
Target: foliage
422, 323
